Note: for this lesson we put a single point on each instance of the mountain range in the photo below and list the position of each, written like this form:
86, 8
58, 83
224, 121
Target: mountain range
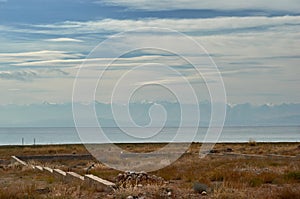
61, 115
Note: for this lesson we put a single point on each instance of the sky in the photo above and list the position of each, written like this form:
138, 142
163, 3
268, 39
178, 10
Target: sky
254, 44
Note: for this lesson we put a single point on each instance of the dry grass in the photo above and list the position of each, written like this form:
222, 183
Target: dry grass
7, 151
226, 176
151, 190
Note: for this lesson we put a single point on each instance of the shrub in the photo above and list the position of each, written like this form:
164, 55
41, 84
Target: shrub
293, 175
252, 142
255, 182
217, 176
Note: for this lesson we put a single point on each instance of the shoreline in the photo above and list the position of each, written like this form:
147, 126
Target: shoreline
146, 143
58, 136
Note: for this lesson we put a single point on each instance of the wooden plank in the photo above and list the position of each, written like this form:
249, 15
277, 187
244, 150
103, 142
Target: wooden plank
59, 174
19, 160
99, 183
48, 169
39, 168
72, 176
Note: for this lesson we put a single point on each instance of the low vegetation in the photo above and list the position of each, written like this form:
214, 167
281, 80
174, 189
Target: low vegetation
221, 176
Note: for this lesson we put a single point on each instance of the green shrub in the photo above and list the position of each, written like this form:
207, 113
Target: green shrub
255, 182
293, 175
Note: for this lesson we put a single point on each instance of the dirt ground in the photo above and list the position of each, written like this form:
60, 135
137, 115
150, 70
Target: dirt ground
224, 172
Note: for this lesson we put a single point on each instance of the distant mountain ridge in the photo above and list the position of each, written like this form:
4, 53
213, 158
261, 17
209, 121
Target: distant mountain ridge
60, 115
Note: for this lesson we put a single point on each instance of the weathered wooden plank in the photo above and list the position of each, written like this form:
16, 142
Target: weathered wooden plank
72, 176
99, 183
19, 160
49, 170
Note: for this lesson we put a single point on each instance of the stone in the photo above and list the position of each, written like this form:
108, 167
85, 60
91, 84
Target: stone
199, 187
137, 179
213, 151
43, 190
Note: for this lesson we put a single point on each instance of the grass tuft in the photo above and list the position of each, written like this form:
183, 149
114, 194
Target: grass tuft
293, 175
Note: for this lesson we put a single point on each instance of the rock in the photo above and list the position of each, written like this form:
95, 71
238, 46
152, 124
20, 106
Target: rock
43, 190
137, 179
169, 193
229, 150
199, 187
110, 196
130, 197
203, 193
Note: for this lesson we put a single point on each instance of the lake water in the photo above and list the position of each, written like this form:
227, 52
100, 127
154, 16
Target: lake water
14, 136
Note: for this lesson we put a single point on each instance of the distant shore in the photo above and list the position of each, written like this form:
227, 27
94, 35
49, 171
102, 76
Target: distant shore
148, 143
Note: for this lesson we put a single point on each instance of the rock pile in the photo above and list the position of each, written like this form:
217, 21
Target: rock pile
137, 179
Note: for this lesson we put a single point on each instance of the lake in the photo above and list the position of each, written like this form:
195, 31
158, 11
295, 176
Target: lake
14, 136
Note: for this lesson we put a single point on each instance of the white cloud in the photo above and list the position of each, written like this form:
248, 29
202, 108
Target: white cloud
101, 63
30, 75
266, 49
64, 40
23, 57
195, 26
13, 89
275, 5
18, 75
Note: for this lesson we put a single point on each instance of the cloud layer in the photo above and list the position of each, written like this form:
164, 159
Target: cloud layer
276, 5
257, 55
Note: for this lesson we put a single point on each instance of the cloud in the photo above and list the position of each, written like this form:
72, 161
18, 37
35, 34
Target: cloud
30, 75
36, 56
56, 72
220, 25
18, 75
14, 89
158, 5
64, 40
49, 54
251, 53
101, 63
